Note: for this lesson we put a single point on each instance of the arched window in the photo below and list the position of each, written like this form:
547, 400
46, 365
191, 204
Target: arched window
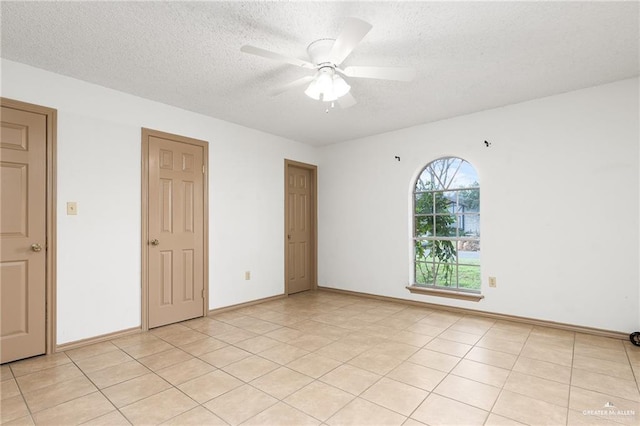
446, 236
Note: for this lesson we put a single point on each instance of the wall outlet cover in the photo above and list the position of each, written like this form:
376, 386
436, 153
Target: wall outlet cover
72, 208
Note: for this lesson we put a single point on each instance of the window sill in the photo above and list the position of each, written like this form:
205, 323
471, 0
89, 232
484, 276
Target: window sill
473, 297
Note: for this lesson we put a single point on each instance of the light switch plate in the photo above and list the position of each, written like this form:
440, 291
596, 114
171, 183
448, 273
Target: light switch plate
72, 208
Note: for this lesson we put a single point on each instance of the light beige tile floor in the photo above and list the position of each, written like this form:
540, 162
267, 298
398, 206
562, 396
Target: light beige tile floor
322, 358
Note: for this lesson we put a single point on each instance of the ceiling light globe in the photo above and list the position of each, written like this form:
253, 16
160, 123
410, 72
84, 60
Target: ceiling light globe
313, 90
324, 82
329, 96
340, 87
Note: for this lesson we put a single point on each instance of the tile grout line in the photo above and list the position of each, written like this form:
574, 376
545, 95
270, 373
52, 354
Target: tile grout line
348, 332
431, 392
24, 400
573, 356
502, 388
633, 373
451, 372
100, 390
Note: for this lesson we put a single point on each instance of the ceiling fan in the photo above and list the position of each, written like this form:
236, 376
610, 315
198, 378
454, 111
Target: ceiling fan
326, 55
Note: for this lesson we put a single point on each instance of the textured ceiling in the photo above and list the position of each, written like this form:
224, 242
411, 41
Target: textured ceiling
469, 56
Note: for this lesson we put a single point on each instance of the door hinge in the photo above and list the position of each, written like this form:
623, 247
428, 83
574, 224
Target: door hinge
203, 293
203, 168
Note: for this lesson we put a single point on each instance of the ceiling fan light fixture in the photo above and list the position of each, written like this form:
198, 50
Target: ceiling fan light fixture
313, 91
327, 86
324, 83
340, 86
329, 97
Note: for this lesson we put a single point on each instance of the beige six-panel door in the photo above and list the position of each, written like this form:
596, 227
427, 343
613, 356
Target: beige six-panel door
175, 229
23, 221
300, 257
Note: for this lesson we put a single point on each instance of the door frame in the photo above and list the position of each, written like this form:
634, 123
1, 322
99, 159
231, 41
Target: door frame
146, 133
314, 221
51, 187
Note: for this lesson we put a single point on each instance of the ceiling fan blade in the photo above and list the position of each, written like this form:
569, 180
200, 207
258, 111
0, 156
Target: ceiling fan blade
382, 73
353, 32
288, 86
347, 101
252, 50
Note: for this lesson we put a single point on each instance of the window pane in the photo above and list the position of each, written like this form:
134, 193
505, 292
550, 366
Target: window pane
443, 171
469, 277
469, 225
423, 203
449, 173
469, 253
469, 199
466, 176
424, 273
445, 225
426, 251
441, 251
424, 226
422, 251
445, 275
456, 202
442, 202
425, 181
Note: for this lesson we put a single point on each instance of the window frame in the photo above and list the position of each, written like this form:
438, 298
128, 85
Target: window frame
434, 289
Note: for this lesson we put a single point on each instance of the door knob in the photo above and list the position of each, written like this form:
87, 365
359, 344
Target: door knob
154, 242
36, 247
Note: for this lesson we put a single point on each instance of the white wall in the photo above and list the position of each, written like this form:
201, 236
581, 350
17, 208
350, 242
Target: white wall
99, 144
559, 206
559, 199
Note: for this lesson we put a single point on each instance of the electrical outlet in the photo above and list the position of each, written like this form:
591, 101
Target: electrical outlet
492, 282
247, 275
72, 208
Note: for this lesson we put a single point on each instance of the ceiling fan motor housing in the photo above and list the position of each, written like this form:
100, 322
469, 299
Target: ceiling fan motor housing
319, 51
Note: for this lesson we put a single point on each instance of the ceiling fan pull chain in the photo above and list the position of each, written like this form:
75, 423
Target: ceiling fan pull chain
333, 105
